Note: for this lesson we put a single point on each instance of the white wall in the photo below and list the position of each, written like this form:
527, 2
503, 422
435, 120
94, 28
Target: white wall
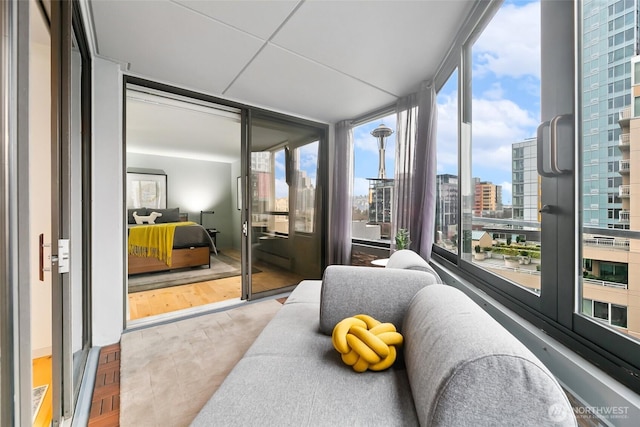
40, 193
107, 205
195, 185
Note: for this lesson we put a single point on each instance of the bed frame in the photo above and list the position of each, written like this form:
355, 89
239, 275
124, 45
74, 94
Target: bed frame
180, 258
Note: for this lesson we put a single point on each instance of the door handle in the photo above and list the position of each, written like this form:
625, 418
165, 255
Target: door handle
41, 267
547, 209
554, 169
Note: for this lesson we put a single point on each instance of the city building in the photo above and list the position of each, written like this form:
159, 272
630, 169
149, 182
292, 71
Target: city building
381, 204
610, 262
525, 184
447, 205
610, 35
488, 198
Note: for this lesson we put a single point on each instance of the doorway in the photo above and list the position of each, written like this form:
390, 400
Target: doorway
189, 151
182, 162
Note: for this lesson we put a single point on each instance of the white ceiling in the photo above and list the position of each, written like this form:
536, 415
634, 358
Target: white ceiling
168, 125
324, 60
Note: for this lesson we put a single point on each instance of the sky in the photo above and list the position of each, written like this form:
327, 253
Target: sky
308, 163
505, 103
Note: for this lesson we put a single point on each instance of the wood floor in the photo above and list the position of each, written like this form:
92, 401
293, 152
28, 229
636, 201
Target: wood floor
42, 374
160, 301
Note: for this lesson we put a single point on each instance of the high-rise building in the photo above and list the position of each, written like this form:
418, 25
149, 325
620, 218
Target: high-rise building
381, 204
525, 181
488, 198
610, 34
447, 205
610, 37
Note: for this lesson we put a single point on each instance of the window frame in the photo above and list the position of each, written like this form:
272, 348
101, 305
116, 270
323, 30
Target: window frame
359, 121
558, 310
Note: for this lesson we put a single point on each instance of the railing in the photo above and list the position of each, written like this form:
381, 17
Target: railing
624, 191
624, 140
604, 283
624, 216
625, 113
624, 166
606, 243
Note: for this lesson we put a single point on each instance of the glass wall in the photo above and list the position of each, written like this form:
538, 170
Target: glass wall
373, 182
447, 199
546, 184
610, 241
285, 222
504, 237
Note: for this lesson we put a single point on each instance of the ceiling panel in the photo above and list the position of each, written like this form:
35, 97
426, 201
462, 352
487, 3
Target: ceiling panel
169, 42
391, 45
329, 60
287, 82
260, 18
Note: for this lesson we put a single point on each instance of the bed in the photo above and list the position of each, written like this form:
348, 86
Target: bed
191, 247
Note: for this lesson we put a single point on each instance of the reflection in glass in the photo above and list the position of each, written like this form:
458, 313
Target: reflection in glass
305, 163
284, 225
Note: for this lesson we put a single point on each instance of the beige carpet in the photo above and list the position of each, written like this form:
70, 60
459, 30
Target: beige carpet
169, 372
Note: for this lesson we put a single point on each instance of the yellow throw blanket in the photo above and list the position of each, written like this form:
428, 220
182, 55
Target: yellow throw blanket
154, 240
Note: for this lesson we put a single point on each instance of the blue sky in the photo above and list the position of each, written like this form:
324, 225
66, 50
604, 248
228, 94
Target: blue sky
505, 106
308, 162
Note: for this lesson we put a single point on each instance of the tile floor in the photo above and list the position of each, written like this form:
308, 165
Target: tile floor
105, 405
169, 372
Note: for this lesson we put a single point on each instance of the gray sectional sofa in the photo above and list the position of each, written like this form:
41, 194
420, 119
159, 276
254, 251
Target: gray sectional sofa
458, 366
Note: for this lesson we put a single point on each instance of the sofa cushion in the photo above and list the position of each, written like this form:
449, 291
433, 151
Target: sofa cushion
465, 369
409, 260
383, 293
292, 376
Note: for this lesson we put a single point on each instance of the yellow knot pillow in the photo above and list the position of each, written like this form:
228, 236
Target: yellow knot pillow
365, 343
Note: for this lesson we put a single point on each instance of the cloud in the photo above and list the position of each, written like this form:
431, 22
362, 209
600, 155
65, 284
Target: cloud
510, 45
495, 92
447, 137
500, 122
498, 158
506, 192
360, 186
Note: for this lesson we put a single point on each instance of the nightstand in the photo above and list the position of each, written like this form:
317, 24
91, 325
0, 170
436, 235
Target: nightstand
213, 233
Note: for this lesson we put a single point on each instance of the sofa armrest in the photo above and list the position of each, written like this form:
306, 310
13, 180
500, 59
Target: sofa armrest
459, 359
379, 292
409, 260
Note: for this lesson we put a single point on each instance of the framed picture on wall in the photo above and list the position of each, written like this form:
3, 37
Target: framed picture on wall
146, 190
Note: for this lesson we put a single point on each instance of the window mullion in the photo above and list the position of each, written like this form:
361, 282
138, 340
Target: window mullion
558, 192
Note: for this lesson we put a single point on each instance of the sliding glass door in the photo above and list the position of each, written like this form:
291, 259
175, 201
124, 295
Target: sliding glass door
282, 209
